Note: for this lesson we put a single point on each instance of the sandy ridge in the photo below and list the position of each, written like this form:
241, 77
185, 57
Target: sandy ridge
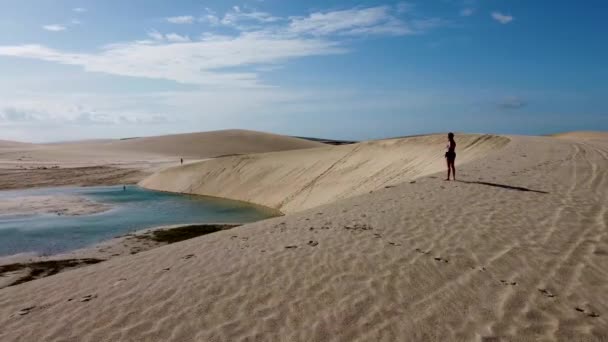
299, 180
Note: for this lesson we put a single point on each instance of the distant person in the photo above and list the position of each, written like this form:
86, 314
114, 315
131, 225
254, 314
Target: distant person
181, 160
450, 156
124, 188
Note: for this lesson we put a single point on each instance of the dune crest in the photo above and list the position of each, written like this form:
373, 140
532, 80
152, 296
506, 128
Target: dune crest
298, 180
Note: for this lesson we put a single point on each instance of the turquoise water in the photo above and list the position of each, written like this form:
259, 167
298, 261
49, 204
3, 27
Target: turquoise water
133, 209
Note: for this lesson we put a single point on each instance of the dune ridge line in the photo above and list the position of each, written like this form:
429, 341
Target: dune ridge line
301, 179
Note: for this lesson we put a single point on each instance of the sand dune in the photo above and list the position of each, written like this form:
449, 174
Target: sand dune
192, 145
516, 251
126, 161
7, 143
299, 180
213, 144
582, 135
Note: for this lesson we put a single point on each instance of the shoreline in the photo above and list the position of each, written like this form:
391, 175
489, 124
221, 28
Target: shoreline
272, 212
123, 245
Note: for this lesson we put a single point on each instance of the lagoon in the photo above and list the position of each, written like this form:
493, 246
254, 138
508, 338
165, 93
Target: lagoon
130, 210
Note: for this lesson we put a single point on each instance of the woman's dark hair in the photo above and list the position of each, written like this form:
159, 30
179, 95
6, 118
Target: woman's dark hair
451, 135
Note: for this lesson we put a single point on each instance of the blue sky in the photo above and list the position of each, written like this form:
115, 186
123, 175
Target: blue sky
337, 69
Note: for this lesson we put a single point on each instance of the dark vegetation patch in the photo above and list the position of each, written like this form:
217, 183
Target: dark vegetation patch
41, 269
184, 233
228, 155
329, 141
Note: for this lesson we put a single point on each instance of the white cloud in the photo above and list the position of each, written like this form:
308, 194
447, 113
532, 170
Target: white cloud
361, 21
54, 28
238, 15
502, 18
156, 35
176, 38
261, 40
467, 12
184, 19
240, 19
79, 9
211, 19
186, 62
74, 109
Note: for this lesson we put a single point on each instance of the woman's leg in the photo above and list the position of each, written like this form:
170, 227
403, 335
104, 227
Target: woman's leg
448, 162
452, 163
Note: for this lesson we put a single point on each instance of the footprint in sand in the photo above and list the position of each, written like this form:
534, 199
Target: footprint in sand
166, 269
188, 256
312, 243
119, 281
25, 311
358, 227
87, 298
290, 247
509, 283
421, 251
589, 313
394, 243
547, 293
377, 236
441, 259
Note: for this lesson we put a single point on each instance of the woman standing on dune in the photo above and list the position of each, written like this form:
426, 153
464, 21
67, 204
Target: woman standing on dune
450, 156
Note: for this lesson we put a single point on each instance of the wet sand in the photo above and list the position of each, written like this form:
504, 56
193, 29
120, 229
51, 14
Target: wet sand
67, 205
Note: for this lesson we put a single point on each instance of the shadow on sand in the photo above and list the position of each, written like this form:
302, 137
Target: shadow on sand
504, 186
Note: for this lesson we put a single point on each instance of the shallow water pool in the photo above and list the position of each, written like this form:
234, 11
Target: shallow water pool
132, 209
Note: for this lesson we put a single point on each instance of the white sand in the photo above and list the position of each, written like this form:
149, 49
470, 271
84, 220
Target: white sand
298, 180
424, 261
582, 135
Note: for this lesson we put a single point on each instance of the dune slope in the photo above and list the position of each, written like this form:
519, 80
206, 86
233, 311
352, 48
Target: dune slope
298, 180
191, 145
7, 143
110, 162
516, 251
212, 144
